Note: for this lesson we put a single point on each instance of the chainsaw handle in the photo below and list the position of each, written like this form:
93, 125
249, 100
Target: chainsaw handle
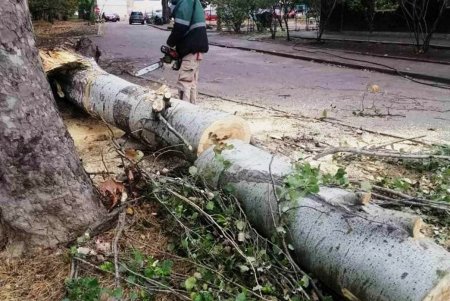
169, 51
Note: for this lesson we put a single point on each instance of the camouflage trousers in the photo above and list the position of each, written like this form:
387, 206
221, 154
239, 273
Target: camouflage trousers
188, 77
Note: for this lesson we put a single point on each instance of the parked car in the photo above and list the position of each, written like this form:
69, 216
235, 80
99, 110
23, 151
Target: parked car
154, 17
136, 17
210, 15
111, 17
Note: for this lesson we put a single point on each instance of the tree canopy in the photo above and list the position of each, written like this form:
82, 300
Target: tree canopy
58, 9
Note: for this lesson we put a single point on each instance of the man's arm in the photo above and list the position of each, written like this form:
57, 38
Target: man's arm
183, 16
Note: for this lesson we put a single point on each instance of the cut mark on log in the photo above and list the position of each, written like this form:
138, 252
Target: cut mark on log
442, 290
230, 128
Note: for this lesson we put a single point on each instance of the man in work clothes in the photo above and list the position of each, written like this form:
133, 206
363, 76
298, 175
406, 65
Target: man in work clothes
189, 38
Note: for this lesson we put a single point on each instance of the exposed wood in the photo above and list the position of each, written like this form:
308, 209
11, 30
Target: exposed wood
131, 107
119, 230
364, 198
368, 256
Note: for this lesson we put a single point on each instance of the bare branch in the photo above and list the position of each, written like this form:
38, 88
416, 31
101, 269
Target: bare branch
358, 151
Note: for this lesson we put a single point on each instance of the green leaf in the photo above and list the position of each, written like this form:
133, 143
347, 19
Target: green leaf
244, 268
166, 268
226, 164
240, 225
131, 279
193, 171
281, 230
304, 282
366, 186
241, 297
190, 283
210, 205
107, 266
117, 293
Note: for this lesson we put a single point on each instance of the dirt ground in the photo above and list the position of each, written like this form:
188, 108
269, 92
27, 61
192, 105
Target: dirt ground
61, 32
281, 132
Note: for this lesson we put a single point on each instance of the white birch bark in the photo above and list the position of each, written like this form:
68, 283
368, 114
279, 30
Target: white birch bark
129, 106
351, 251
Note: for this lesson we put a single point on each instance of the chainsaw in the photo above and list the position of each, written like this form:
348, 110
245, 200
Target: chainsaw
170, 56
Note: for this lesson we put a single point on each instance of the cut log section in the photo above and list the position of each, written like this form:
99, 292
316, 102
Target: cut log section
363, 254
133, 108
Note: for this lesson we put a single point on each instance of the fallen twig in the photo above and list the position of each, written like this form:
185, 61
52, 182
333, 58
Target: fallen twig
167, 288
73, 269
150, 289
283, 238
120, 226
358, 151
397, 141
410, 200
173, 131
224, 233
338, 122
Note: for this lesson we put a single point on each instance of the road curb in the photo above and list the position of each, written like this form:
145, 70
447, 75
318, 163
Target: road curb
340, 63
435, 46
158, 27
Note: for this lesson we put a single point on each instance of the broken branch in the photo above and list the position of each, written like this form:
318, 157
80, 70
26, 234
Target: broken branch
359, 151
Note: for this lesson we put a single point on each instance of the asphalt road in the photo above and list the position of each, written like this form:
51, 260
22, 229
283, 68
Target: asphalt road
402, 107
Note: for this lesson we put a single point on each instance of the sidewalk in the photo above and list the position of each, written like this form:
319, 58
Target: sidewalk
420, 70
441, 41
415, 69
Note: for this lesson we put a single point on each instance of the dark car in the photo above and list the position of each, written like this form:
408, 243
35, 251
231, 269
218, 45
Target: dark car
111, 17
136, 17
154, 17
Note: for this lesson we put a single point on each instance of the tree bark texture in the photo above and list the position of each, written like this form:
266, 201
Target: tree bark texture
46, 198
362, 254
131, 107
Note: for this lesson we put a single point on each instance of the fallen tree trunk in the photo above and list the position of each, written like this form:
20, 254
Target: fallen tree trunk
140, 111
361, 251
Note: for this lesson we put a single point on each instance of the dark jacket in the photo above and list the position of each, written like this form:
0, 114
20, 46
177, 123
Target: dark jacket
189, 31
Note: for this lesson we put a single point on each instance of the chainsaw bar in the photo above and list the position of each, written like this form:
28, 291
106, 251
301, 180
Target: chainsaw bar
150, 68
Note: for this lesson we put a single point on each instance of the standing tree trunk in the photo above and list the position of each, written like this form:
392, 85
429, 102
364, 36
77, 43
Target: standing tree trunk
369, 13
46, 198
322, 13
422, 18
165, 11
